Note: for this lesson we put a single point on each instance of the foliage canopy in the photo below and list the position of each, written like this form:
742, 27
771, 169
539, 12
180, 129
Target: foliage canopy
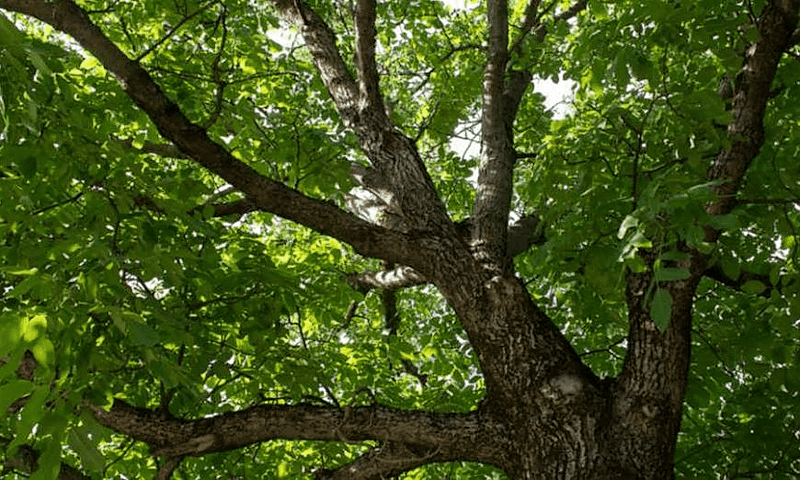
136, 269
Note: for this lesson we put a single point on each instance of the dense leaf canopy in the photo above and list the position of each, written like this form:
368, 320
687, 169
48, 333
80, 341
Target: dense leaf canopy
136, 270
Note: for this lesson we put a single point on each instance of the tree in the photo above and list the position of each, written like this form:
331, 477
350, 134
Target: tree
247, 239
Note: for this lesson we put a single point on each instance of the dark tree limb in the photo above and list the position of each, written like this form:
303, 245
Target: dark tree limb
172, 437
386, 461
529, 22
26, 461
166, 150
167, 468
715, 272
571, 11
493, 196
393, 155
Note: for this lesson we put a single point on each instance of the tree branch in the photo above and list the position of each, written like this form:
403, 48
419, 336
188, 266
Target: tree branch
321, 43
501, 99
171, 437
523, 234
370, 95
167, 150
393, 155
26, 461
571, 11
193, 141
776, 26
387, 461
716, 272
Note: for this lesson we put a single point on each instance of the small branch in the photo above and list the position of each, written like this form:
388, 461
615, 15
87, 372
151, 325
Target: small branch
571, 11
715, 272
529, 21
166, 150
221, 84
386, 461
71, 199
768, 201
165, 471
172, 31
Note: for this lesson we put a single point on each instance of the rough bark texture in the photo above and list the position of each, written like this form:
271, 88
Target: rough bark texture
546, 415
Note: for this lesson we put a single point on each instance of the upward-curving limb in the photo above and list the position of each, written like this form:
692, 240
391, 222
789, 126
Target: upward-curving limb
393, 155
493, 198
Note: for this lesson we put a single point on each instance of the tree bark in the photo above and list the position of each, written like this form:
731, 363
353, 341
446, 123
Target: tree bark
546, 415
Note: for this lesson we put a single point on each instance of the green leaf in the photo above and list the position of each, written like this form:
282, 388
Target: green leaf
143, 334
12, 391
668, 274
724, 222
12, 328
44, 352
661, 309
753, 287
80, 441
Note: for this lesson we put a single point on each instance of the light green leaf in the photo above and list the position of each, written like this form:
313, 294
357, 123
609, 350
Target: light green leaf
629, 222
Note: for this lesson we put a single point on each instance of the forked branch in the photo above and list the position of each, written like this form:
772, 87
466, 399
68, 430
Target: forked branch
393, 155
193, 141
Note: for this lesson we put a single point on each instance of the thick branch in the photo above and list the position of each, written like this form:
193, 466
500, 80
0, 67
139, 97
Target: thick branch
523, 234
370, 95
193, 141
657, 363
168, 436
393, 155
490, 213
777, 25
